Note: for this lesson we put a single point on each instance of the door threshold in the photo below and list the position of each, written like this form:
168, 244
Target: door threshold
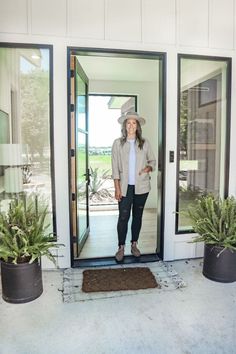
110, 261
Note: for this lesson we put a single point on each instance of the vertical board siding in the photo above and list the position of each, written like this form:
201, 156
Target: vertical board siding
221, 24
193, 22
49, 17
159, 21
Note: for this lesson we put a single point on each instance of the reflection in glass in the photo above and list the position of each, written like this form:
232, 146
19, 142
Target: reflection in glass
81, 103
25, 165
202, 130
81, 184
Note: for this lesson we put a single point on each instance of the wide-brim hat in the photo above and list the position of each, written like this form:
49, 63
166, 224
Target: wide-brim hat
131, 115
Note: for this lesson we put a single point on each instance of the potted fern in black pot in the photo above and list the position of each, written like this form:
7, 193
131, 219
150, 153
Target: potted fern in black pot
214, 219
23, 241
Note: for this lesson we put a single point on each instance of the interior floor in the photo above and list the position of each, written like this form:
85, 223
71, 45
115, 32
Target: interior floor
102, 240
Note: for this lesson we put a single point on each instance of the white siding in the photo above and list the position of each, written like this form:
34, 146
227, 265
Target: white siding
221, 24
184, 250
123, 20
49, 17
158, 21
60, 154
86, 18
193, 22
13, 16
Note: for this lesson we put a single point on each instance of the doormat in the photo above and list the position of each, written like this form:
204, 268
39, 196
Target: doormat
166, 277
118, 279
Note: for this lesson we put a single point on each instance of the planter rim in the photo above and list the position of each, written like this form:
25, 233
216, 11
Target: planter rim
19, 264
210, 245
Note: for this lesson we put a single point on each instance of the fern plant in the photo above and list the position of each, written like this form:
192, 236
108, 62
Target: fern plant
214, 220
23, 232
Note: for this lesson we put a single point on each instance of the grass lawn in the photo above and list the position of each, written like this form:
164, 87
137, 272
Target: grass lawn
103, 162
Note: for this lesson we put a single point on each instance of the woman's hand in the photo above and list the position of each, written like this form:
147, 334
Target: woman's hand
147, 169
118, 194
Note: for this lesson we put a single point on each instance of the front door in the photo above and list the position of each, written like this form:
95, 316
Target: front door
111, 74
79, 156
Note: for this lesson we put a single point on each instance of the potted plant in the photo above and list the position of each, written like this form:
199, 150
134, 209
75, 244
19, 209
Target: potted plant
23, 241
214, 220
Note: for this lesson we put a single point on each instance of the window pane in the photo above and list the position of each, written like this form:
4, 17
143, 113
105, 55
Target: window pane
25, 158
202, 131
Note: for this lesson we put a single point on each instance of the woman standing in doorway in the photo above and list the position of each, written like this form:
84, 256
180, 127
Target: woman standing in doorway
132, 161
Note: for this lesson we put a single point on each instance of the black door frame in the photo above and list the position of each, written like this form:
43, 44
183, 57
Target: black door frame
121, 53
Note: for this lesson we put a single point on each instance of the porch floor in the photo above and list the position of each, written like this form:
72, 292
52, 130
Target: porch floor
200, 318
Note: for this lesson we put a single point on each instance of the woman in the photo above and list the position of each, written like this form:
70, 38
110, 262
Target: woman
132, 161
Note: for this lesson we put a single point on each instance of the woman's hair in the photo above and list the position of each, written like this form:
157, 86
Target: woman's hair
139, 137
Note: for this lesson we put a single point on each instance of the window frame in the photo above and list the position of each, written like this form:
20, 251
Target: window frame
51, 117
228, 61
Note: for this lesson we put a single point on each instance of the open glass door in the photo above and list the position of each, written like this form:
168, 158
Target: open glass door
79, 156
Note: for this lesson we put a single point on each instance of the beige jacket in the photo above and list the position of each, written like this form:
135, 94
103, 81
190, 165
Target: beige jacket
120, 166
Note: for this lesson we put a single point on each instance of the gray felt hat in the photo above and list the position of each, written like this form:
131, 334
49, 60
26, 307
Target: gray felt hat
131, 115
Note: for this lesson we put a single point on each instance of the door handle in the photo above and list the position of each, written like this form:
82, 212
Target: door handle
87, 175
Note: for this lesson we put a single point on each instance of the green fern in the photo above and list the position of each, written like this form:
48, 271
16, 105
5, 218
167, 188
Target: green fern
214, 220
23, 232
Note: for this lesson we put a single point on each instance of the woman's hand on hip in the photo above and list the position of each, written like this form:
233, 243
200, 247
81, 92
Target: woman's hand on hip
146, 169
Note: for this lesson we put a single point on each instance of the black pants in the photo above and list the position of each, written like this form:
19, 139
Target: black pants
138, 201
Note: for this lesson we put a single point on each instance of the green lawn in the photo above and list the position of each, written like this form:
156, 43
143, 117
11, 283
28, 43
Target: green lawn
103, 162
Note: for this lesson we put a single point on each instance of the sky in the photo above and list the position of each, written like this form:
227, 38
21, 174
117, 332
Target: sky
103, 125
26, 66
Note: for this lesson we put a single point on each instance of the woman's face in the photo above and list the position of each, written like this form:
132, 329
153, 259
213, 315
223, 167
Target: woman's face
131, 126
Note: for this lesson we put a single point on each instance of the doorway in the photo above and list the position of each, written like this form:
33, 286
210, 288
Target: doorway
102, 86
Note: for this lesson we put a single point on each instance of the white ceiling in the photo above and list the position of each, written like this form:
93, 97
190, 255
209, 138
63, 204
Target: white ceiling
119, 69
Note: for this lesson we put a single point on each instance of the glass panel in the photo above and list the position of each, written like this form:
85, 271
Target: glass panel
81, 184
80, 102
81, 156
202, 131
25, 158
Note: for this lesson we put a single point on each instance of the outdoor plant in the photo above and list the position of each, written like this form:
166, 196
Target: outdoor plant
189, 192
214, 220
23, 232
97, 179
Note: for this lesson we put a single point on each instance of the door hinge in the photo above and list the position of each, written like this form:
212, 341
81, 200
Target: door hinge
74, 239
72, 73
72, 107
73, 197
72, 152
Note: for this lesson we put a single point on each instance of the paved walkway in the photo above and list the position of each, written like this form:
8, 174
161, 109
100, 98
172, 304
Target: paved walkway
200, 318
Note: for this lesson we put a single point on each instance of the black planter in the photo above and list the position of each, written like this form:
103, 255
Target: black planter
219, 266
21, 282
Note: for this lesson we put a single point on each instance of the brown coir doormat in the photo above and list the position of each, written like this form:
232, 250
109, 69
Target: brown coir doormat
118, 279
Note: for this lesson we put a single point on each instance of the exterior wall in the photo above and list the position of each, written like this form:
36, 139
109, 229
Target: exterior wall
204, 27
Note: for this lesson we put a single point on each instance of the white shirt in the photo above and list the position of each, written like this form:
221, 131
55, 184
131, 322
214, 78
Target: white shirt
132, 160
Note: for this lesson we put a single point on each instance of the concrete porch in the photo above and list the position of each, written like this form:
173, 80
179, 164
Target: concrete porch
200, 318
